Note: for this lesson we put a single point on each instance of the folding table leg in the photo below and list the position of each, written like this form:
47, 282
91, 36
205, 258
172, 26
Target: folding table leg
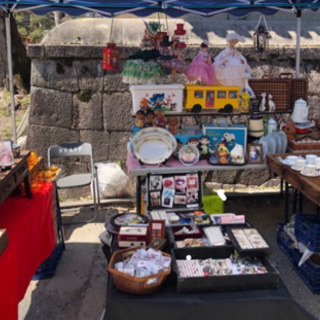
286, 203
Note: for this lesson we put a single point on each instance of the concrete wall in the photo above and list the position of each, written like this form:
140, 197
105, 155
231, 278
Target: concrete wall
73, 98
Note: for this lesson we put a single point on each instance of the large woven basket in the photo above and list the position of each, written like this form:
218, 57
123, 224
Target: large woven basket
299, 87
278, 87
131, 284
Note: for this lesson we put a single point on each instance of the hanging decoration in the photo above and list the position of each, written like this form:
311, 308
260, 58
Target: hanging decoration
111, 55
261, 35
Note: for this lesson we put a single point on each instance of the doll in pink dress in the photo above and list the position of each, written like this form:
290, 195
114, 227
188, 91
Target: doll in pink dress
201, 68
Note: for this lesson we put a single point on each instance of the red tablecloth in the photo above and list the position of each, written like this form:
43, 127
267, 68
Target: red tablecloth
31, 241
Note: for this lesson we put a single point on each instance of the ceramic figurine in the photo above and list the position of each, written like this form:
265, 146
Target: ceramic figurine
160, 119
141, 67
173, 124
223, 154
150, 119
272, 105
201, 68
245, 98
194, 142
231, 67
140, 119
204, 147
237, 154
263, 102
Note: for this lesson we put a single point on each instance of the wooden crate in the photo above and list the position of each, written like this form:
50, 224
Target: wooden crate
278, 87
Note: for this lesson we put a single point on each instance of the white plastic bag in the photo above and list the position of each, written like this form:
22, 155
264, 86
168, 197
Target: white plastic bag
112, 181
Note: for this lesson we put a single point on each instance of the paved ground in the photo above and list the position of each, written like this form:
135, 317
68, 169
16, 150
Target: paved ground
78, 289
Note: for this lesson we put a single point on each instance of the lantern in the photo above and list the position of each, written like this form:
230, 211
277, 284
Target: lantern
111, 56
180, 37
165, 48
261, 36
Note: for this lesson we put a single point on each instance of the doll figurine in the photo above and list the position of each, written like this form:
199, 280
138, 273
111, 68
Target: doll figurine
204, 147
272, 105
245, 98
201, 68
263, 102
140, 119
160, 119
173, 123
231, 67
141, 67
223, 154
150, 119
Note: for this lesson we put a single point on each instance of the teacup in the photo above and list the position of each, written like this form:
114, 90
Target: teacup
317, 163
311, 158
300, 164
292, 160
309, 170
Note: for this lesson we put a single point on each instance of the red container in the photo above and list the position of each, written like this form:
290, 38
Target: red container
111, 57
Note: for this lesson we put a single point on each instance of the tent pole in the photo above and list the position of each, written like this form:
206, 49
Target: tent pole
298, 36
10, 73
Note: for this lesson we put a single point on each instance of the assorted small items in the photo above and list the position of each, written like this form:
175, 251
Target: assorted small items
219, 267
248, 241
174, 191
143, 263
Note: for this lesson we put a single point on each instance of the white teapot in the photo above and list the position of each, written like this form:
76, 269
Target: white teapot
300, 111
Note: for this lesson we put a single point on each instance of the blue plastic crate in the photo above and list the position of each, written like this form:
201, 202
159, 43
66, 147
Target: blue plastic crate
307, 230
309, 272
48, 268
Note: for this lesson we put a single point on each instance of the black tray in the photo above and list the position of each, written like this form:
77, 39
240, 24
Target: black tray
228, 283
252, 252
199, 252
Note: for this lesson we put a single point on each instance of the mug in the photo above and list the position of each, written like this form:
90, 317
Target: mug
317, 163
311, 158
292, 160
300, 164
309, 169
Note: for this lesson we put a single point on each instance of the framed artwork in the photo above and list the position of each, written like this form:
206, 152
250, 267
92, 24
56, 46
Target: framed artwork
6, 154
255, 154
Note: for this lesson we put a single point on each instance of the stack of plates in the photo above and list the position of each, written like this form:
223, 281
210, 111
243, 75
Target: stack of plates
274, 143
153, 145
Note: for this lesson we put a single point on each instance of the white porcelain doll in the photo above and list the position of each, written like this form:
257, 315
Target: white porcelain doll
272, 105
231, 67
263, 102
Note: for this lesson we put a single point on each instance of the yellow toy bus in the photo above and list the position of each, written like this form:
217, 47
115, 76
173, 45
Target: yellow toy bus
211, 97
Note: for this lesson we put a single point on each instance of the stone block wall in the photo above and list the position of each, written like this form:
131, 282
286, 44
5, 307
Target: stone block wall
74, 99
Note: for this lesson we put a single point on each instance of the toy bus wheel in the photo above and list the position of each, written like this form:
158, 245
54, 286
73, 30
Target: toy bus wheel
196, 108
228, 108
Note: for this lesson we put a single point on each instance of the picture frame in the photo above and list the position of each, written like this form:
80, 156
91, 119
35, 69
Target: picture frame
6, 154
255, 153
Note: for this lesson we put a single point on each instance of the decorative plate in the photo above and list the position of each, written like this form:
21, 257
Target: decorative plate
264, 143
189, 155
153, 145
283, 138
124, 219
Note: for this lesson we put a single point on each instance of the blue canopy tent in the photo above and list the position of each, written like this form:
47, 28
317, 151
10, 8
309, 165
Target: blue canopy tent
142, 8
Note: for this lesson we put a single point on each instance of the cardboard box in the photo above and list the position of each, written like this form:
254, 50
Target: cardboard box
3, 240
132, 237
167, 97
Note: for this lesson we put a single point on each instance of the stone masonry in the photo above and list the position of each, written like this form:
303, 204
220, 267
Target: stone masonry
74, 99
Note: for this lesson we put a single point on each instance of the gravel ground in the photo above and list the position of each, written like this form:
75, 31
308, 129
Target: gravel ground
78, 289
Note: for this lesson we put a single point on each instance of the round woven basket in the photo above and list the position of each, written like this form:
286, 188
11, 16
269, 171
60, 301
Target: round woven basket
131, 284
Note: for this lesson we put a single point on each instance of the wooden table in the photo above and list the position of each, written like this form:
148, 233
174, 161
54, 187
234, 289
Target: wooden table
307, 186
10, 179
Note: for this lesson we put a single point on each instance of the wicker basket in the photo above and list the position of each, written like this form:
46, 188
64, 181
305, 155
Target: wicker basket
279, 88
299, 87
131, 284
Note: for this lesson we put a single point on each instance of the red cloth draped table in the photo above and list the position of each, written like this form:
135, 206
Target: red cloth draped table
30, 242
